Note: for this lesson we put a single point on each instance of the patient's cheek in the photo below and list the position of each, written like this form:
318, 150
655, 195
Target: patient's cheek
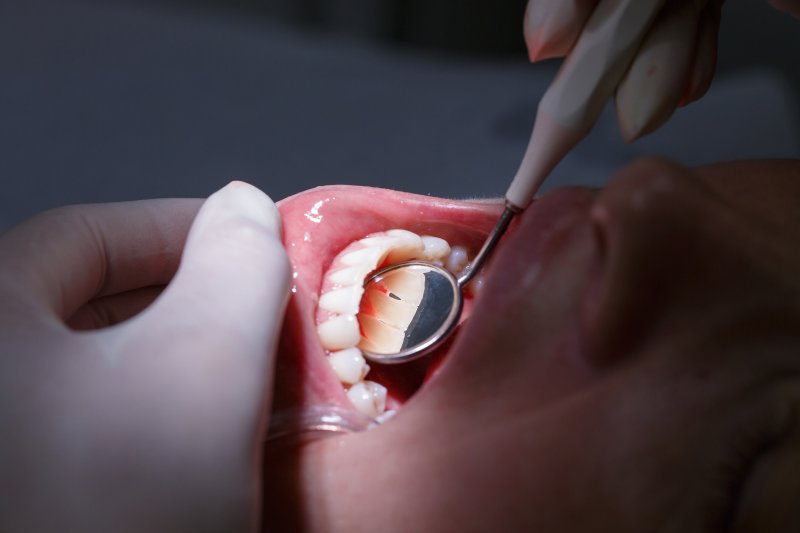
526, 327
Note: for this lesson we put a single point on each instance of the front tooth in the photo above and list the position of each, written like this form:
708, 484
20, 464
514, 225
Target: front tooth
380, 337
458, 259
368, 397
349, 365
344, 301
407, 246
370, 255
353, 275
339, 332
435, 248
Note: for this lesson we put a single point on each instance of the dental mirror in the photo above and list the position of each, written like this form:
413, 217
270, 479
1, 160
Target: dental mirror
411, 308
423, 302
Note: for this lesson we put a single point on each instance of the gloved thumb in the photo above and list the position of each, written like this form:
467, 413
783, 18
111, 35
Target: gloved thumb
217, 323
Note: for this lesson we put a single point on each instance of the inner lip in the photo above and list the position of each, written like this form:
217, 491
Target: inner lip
321, 222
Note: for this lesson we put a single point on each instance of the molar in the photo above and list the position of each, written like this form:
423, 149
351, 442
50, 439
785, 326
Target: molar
349, 365
368, 397
457, 260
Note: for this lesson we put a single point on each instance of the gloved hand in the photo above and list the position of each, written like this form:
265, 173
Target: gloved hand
674, 64
155, 423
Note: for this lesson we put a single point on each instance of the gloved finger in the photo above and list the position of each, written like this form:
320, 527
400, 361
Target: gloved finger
113, 309
62, 258
791, 7
654, 83
705, 56
552, 26
215, 327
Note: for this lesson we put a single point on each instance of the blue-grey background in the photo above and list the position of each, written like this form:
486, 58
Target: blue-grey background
128, 99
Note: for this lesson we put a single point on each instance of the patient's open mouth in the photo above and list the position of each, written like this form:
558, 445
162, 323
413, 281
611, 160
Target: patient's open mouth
350, 319
337, 236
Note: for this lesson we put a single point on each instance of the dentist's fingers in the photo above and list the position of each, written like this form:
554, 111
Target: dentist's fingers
215, 327
110, 310
552, 26
791, 7
705, 56
58, 260
657, 77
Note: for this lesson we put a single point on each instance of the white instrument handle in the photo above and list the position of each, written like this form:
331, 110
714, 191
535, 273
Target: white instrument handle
584, 84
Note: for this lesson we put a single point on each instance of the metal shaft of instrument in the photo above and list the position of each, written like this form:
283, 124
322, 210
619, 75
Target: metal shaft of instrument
489, 245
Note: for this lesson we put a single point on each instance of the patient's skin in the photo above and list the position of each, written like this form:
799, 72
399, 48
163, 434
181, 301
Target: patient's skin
634, 365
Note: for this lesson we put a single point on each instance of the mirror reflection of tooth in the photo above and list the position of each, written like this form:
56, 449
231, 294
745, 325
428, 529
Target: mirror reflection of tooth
343, 301
371, 255
351, 275
368, 397
389, 310
457, 260
403, 284
380, 337
339, 332
369, 346
349, 365
434, 248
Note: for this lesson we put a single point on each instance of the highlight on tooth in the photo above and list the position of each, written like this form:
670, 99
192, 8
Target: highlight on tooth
434, 248
458, 260
368, 397
343, 301
350, 319
339, 332
349, 365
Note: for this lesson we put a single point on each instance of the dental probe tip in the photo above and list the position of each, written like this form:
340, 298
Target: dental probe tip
549, 143
586, 80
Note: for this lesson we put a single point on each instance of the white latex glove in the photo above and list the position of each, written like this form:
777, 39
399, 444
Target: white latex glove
675, 62
156, 423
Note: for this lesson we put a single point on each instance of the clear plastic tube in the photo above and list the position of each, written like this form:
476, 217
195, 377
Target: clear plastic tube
311, 423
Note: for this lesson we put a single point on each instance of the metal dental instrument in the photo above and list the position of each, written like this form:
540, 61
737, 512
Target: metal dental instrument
425, 300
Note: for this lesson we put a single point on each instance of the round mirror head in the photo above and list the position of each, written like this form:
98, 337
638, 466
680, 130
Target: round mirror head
407, 310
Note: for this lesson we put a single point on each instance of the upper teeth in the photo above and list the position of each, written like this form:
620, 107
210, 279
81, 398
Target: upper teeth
457, 260
349, 365
338, 328
435, 248
344, 301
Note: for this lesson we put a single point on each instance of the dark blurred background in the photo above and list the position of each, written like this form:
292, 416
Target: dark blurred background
129, 99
